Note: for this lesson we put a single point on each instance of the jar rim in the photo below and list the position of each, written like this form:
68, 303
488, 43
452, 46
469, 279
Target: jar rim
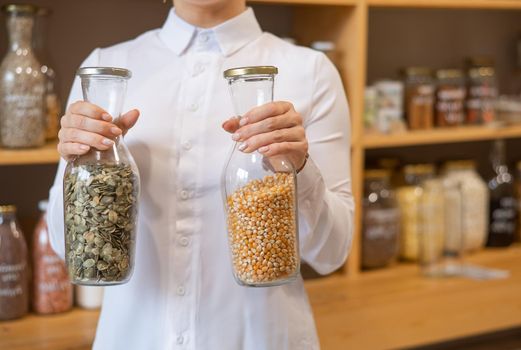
7, 209
250, 70
85, 72
20, 8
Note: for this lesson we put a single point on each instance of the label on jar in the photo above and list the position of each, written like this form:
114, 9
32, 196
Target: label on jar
450, 106
11, 280
503, 216
480, 104
381, 223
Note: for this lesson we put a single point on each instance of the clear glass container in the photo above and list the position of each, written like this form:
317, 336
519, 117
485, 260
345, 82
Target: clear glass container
453, 247
381, 220
52, 290
101, 190
22, 85
52, 100
503, 213
419, 98
450, 97
481, 96
259, 195
14, 271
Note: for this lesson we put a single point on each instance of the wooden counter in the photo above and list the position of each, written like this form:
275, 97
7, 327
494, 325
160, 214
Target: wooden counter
389, 308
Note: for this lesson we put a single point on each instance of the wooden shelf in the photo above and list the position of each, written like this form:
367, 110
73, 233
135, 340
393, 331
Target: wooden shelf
388, 308
440, 135
468, 4
44, 155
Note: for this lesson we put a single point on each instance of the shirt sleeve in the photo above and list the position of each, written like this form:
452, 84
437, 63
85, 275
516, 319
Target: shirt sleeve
326, 206
55, 208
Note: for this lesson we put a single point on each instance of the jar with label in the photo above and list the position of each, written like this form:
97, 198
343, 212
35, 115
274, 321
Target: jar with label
389, 111
450, 97
22, 85
431, 227
14, 273
52, 100
100, 192
503, 207
381, 220
474, 202
481, 96
419, 98
260, 195
52, 290
409, 202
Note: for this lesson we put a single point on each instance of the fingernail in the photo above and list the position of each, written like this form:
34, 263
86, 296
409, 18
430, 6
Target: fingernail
236, 136
115, 130
243, 121
264, 149
243, 146
106, 117
108, 142
84, 147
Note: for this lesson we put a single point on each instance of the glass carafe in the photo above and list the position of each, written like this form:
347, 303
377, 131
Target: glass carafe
101, 189
260, 196
22, 85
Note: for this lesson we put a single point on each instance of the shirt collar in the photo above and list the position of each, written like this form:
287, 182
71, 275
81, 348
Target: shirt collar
231, 35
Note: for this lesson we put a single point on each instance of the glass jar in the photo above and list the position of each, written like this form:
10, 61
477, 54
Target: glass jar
52, 290
260, 196
474, 202
518, 196
14, 274
453, 247
419, 98
431, 227
409, 202
100, 194
381, 220
52, 100
22, 85
503, 205
450, 97
482, 95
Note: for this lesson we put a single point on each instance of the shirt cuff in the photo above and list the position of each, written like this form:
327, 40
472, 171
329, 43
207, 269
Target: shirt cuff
308, 178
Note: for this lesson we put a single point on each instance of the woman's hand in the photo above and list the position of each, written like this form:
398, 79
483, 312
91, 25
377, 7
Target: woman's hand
85, 125
273, 129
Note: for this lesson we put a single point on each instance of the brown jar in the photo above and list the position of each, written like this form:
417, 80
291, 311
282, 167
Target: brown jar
52, 291
14, 300
419, 98
481, 96
450, 97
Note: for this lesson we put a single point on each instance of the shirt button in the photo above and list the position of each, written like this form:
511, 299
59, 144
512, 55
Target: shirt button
184, 241
187, 146
203, 37
193, 107
180, 339
180, 291
183, 194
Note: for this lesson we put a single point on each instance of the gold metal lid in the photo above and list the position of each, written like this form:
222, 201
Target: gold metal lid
480, 61
419, 169
449, 74
417, 72
84, 72
389, 163
377, 173
252, 70
482, 72
462, 164
20, 8
7, 209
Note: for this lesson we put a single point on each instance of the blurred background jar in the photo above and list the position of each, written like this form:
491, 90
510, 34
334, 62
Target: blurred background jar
52, 101
518, 196
52, 291
503, 210
450, 97
381, 220
419, 98
481, 96
453, 223
474, 202
14, 271
22, 85
409, 202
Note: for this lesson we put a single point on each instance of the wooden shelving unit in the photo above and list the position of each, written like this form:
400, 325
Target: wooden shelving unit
44, 155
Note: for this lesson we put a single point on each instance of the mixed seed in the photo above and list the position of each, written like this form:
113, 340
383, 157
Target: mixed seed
263, 230
100, 218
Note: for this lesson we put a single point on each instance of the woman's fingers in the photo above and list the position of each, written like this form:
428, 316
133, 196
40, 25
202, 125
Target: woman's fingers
285, 121
82, 122
231, 125
277, 136
89, 110
71, 149
128, 120
266, 111
88, 138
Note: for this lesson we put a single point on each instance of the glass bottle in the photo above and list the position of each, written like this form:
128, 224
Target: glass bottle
419, 98
260, 196
52, 290
101, 189
453, 221
482, 95
503, 205
450, 97
381, 222
14, 274
52, 101
22, 85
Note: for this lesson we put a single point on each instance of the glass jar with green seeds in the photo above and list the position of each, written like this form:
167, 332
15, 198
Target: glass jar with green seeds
100, 192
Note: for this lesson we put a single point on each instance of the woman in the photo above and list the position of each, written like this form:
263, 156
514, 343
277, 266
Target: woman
182, 294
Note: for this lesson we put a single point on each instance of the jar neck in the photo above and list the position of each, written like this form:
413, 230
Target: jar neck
6, 218
20, 29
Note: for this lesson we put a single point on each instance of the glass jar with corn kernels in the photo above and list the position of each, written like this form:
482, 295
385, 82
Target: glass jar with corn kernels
260, 196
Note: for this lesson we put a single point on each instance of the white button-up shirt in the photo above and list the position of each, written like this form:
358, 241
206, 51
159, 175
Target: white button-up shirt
183, 294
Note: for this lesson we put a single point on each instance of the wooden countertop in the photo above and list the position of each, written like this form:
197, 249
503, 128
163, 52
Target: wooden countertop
390, 308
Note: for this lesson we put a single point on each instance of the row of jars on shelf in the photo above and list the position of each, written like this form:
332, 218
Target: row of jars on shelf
419, 216
29, 105
39, 281
444, 98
